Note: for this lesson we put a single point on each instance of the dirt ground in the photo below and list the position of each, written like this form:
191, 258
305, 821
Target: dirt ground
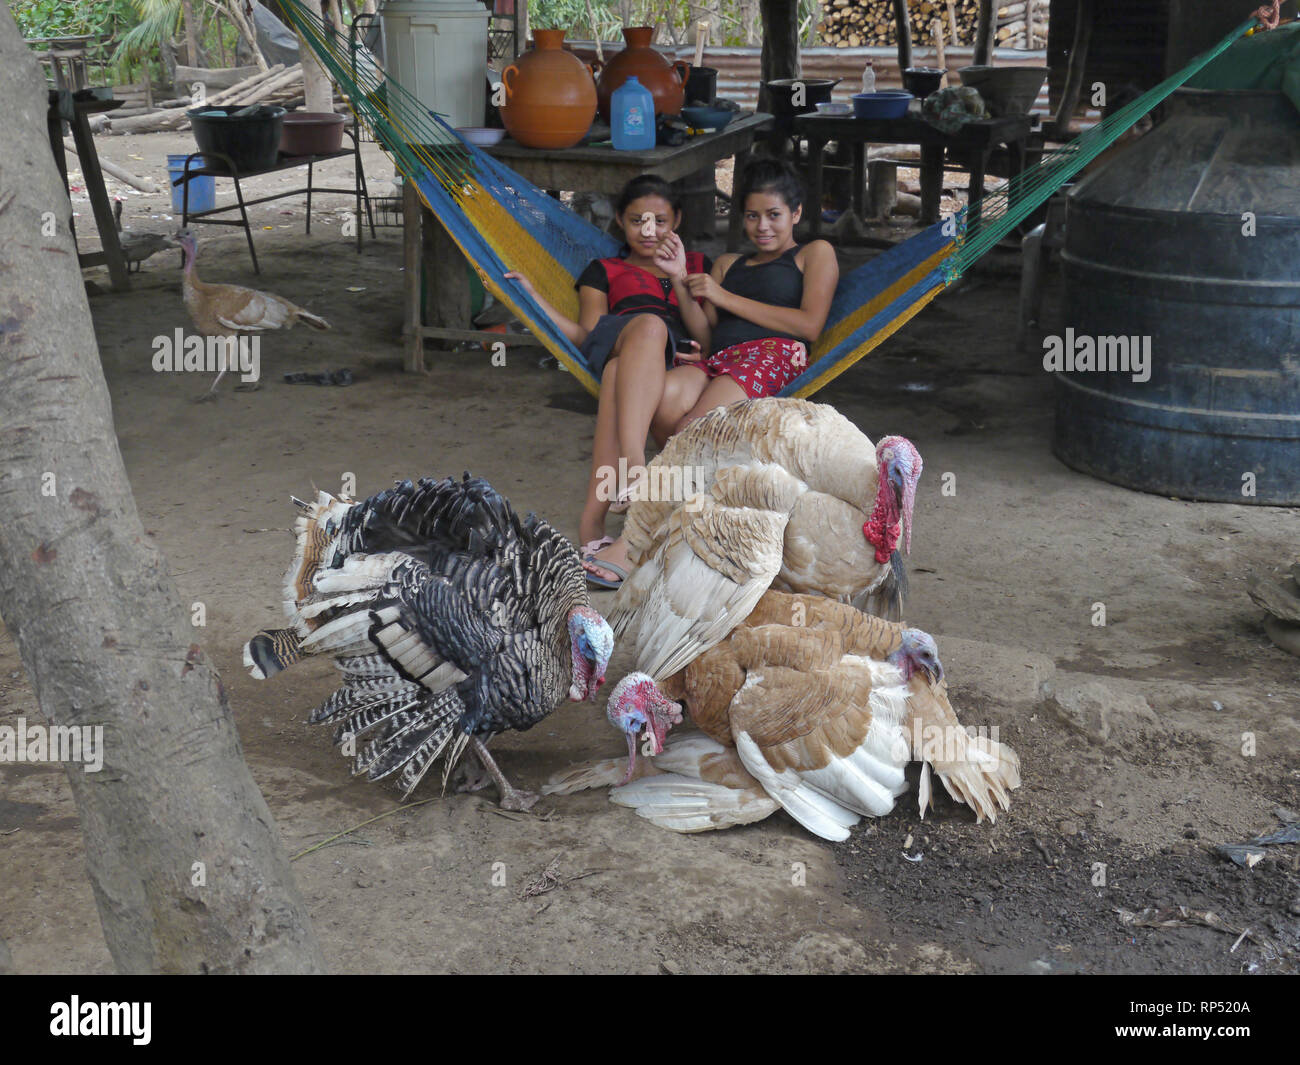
1131, 735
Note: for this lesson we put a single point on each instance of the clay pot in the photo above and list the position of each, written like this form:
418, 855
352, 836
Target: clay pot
550, 95
666, 81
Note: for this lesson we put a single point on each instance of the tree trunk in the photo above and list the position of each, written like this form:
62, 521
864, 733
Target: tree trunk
780, 57
317, 89
187, 866
192, 46
1074, 73
246, 33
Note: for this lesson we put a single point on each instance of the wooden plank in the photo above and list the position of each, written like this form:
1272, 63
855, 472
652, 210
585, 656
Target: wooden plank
412, 224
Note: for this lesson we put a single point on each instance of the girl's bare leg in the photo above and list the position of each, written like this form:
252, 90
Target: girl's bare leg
683, 386
721, 392
604, 454
640, 384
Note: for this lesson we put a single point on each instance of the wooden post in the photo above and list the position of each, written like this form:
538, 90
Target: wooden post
984, 35
412, 224
882, 187
780, 57
903, 26
1078, 62
99, 202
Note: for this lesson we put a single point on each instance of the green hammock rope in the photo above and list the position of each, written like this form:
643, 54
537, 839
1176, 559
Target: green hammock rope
998, 213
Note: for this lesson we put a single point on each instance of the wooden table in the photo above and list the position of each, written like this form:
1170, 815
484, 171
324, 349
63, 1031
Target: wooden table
975, 140
585, 167
604, 170
111, 255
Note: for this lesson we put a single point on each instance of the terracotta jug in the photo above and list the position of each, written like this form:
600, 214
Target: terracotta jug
666, 81
550, 94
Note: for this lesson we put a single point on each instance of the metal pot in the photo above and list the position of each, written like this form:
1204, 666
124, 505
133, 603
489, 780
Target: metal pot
702, 86
782, 92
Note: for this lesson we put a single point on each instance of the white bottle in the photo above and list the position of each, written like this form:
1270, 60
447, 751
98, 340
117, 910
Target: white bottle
868, 78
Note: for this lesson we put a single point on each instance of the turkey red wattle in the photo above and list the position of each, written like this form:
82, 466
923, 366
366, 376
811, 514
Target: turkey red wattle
899, 468
883, 529
636, 703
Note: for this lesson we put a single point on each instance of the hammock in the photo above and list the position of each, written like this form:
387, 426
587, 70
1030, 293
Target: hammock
502, 222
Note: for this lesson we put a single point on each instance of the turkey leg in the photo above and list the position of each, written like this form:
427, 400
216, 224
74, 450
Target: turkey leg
511, 798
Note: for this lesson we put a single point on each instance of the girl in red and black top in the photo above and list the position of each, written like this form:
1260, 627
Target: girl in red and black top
633, 309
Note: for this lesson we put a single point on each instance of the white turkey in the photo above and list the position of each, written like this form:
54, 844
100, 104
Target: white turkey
767, 493
810, 706
451, 618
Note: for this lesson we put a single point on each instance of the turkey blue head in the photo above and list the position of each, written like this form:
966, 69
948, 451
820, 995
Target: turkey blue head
637, 704
898, 465
918, 654
591, 642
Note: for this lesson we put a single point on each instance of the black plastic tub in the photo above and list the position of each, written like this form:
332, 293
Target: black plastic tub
252, 142
1185, 248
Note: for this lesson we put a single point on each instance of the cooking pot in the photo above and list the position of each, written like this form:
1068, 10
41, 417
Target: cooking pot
782, 93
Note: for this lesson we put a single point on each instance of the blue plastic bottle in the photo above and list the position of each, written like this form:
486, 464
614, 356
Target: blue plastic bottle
632, 117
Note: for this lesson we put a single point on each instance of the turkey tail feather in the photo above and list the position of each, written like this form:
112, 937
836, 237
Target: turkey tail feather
270, 651
315, 321
975, 770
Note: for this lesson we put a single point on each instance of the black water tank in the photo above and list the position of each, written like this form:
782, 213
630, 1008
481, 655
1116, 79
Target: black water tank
1157, 246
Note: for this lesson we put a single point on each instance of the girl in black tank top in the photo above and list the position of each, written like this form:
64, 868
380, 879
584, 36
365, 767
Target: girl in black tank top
766, 309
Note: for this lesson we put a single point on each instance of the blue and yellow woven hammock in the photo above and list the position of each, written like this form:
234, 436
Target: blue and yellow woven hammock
502, 222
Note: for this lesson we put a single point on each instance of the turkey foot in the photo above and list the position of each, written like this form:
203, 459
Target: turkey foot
471, 776
511, 797
211, 393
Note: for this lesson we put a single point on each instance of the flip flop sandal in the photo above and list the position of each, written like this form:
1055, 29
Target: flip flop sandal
590, 548
601, 582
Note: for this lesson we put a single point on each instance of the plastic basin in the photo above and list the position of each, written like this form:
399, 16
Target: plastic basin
252, 142
891, 103
311, 133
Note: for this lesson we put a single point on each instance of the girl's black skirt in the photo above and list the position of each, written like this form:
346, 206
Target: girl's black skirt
599, 345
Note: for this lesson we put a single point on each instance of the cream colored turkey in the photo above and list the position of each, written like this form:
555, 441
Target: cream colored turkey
814, 707
778, 493
233, 311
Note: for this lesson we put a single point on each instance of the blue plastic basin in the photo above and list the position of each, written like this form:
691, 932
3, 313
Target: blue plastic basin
889, 103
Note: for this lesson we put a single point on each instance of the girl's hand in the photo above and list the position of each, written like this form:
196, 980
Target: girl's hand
670, 257
688, 358
524, 283
703, 287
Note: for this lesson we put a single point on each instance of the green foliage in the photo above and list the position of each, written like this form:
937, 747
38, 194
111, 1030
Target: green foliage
735, 22
57, 18
159, 20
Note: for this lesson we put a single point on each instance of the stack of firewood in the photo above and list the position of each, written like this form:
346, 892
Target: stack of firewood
867, 23
1022, 24
278, 85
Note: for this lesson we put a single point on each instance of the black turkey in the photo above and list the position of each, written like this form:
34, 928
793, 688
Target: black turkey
451, 618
